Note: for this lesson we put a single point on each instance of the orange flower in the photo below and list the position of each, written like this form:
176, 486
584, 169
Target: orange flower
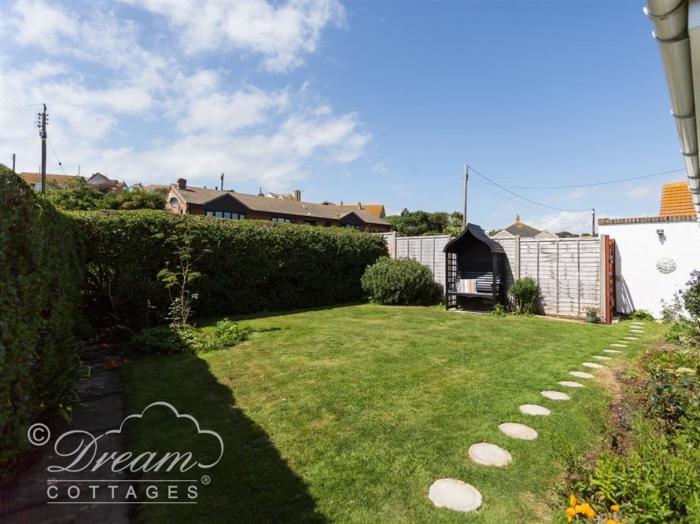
615, 508
586, 510
611, 521
573, 500
570, 514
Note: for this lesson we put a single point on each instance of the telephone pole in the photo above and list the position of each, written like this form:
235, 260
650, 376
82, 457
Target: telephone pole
41, 124
466, 182
593, 222
222, 181
13, 163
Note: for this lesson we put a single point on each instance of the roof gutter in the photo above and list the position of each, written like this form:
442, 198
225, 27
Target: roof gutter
677, 29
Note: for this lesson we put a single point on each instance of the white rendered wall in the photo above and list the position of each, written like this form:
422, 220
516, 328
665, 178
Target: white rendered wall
640, 285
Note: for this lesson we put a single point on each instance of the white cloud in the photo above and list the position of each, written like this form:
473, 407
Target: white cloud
281, 32
103, 85
572, 221
40, 24
640, 192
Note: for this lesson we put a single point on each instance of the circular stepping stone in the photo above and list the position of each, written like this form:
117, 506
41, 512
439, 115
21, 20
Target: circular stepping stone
581, 374
455, 495
618, 345
555, 395
631, 338
593, 365
601, 357
519, 431
637, 323
611, 351
570, 384
489, 455
534, 410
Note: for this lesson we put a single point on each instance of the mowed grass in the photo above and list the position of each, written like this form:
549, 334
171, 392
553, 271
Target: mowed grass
349, 414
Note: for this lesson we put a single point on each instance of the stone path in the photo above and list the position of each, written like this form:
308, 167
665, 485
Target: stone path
570, 384
455, 495
581, 374
534, 410
459, 496
555, 395
519, 431
99, 409
487, 454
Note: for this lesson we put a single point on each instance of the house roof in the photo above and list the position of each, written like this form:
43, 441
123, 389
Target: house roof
521, 229
478, 233
202, 196
374, 209
35, 178
676, 200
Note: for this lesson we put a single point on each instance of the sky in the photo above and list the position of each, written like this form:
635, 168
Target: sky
373, 101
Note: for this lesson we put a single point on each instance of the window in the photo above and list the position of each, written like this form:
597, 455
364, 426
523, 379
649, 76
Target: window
173, 203
352, 226
280, 219
227, 215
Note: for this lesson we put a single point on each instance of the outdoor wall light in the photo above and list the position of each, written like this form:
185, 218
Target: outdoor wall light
661, 234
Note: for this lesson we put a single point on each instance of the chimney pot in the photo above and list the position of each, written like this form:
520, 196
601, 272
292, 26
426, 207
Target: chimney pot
181, 183
297, 195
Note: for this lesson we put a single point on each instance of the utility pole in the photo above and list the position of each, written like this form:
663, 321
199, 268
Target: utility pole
13, 164
41, 124
593, 222
222, 181
466, 182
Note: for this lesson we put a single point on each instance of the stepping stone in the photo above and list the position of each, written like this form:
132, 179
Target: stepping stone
611, 351
631, 338
637, 323
534, 410
489, 455
519, 431
581, 374
570, 384
455, 495
555, 395
593, 365
618, 345
601, 357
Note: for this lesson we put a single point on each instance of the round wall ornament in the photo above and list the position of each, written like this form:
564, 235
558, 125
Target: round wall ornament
666, 265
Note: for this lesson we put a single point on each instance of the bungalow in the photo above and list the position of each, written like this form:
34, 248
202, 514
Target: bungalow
52, 180
184, 199
103, 183
521, 229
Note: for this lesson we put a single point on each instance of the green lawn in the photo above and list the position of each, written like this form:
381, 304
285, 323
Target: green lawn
349, 414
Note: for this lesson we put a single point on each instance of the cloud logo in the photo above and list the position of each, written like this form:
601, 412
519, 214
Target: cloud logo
178, 415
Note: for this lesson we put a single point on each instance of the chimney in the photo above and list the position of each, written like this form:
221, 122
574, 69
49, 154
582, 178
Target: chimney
222, 181
297, 195
181, 183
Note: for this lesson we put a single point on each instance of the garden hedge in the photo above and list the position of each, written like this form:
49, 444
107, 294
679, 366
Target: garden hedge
246, 267
40, 282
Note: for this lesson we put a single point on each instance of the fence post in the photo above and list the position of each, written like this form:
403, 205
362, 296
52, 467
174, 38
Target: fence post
557, 275
578, 277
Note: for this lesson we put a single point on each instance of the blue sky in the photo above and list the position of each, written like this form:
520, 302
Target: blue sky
354, 101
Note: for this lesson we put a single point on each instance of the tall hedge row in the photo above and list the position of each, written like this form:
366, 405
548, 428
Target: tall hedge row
40, 282
247, 267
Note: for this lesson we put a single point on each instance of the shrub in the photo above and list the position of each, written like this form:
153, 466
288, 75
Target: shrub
82, 196
592, 315
524, 295
184, 338
499, 310
245, 267
641, 314
400, 281
40, 280
691, 296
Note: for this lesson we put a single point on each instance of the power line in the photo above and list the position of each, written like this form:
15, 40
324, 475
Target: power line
601, 183
504, 188
57, 159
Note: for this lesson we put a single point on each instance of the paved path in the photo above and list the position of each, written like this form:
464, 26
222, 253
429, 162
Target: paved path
100, 408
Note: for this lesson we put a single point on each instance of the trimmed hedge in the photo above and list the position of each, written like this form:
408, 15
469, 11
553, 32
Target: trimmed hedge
401, 281
40, 281
246, 267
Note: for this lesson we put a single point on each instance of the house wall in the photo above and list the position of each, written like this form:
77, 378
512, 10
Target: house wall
639, 283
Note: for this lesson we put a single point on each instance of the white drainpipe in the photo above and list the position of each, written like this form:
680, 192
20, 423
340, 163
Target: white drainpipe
677, 29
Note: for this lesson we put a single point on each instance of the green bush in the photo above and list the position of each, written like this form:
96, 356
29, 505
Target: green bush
400, 281
82, 196
40, 281
245, 267
691, 296
641, 314
178, 339
525, 295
